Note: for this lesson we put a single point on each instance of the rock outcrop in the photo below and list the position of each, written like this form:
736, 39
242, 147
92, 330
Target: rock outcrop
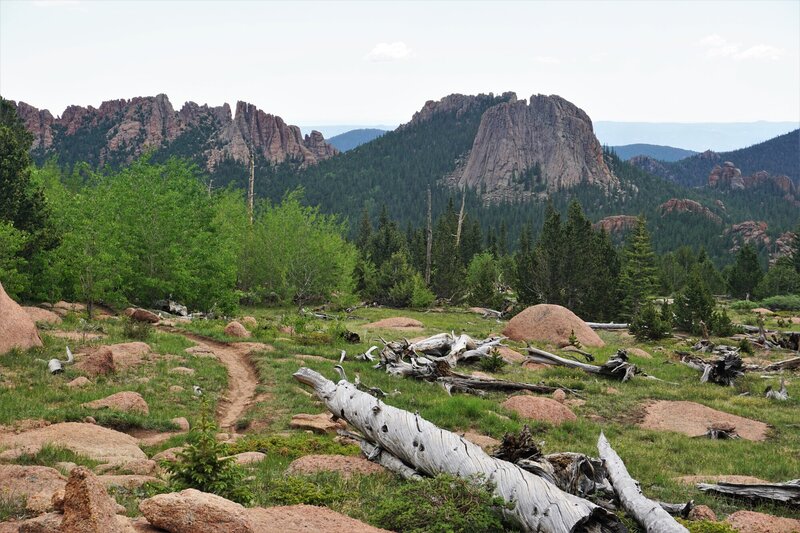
127, 128
728, 177
748, 232
87, 506
17, 329
550, 323
126, 402
546, 145
190, 511
684, 205
616, 224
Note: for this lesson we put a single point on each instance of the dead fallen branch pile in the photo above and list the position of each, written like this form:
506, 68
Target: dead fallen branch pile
415, 446
722, 370
433, 359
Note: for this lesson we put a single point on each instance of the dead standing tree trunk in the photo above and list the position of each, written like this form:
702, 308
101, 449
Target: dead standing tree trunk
429, 242
538, 505
647, 512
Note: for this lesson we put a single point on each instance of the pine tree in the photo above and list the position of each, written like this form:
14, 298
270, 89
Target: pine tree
639, 273
386, 240
447, 276
549, 258
525, 269
694, 306
796, 249
364, 231
746, 273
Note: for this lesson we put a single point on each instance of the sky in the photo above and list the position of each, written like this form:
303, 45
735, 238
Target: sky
378, 62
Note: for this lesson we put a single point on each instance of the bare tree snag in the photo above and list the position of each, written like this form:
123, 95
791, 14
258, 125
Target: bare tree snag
538, 505
788, 492
606, 325
646, 512
460, 218
788, 364
722, 371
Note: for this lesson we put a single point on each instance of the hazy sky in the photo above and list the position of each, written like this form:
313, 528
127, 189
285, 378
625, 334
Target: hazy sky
378, 62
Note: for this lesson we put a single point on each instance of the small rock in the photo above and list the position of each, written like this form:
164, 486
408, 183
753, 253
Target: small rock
142, 315
57, 500
125, 402
611, 390
247, 458
191, 511
346, 465
702, 512
235, 329
175, 388
509, 355
78, 382
89, 420
87, 506
559, 395
321, 423
181, 422
484, 441
38, 314
182, 370
286, 330
46, 523
139, 467
638, 352
170, 454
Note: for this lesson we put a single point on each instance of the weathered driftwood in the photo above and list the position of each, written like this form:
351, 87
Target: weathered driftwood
721, 431
428, 449
788, 364
646, 512
617, 367
722, 371
606, 325
788, 492
781, 394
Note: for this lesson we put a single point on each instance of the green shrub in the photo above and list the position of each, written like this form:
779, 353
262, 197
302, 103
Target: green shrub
493, 363
482, 278
706, 526
203, 465
294, 490
442, 504
11, 506
786, 302
722, 325
744, 305
745, 346
133, 329
647, 324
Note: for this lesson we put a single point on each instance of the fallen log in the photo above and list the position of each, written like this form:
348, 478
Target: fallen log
781, 394
538, 505
606, 325
788, 364
646, 512
788, 492
617, 367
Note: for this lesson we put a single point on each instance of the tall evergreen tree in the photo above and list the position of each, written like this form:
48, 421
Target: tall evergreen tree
639, 274
796, 249
447, 275
550, 258
386, 240
694, 306
364, 231
746, 273
525, 269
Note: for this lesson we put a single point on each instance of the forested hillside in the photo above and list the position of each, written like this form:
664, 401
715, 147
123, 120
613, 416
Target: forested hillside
354, 138
656, 151
780, 155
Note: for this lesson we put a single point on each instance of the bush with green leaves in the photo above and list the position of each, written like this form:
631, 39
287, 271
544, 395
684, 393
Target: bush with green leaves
134, 329
12, 264
492, 363
786, 302
648, 324
779, 280
482, 280
444, 504
295, 490
722, 325
204, 465
694, 305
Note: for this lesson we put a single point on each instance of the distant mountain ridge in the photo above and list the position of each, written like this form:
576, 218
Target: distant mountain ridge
717, 136
354, 138
656, 151
121, 130
778, 156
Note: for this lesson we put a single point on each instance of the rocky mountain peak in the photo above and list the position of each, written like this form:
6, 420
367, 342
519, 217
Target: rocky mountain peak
728, 177
460, 103
129, 127
525, 148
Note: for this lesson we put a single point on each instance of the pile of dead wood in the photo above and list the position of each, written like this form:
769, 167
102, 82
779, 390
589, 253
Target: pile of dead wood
435, 358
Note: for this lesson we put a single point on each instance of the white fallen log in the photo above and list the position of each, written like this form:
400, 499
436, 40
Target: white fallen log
617, 367
538, 505
648, 513
606, 325
788, 492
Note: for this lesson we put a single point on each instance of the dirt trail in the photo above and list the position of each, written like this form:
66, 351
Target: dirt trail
242, 376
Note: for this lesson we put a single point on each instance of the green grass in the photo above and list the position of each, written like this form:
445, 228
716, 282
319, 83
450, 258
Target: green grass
654, 458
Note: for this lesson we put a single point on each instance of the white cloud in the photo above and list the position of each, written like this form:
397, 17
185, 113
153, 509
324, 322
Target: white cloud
547, 60
761, 51
389, 52
718, 46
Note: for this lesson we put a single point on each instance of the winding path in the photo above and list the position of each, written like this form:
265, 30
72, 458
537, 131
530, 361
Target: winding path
242, 375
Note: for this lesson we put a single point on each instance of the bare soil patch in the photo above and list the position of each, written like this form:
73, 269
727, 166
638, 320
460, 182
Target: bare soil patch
751, 522
693, 419
715, 478
538, 408
306, 519
396, 322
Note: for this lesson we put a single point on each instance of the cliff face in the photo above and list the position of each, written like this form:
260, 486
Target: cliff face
121, 130
684, 205
728, 177
546, 145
